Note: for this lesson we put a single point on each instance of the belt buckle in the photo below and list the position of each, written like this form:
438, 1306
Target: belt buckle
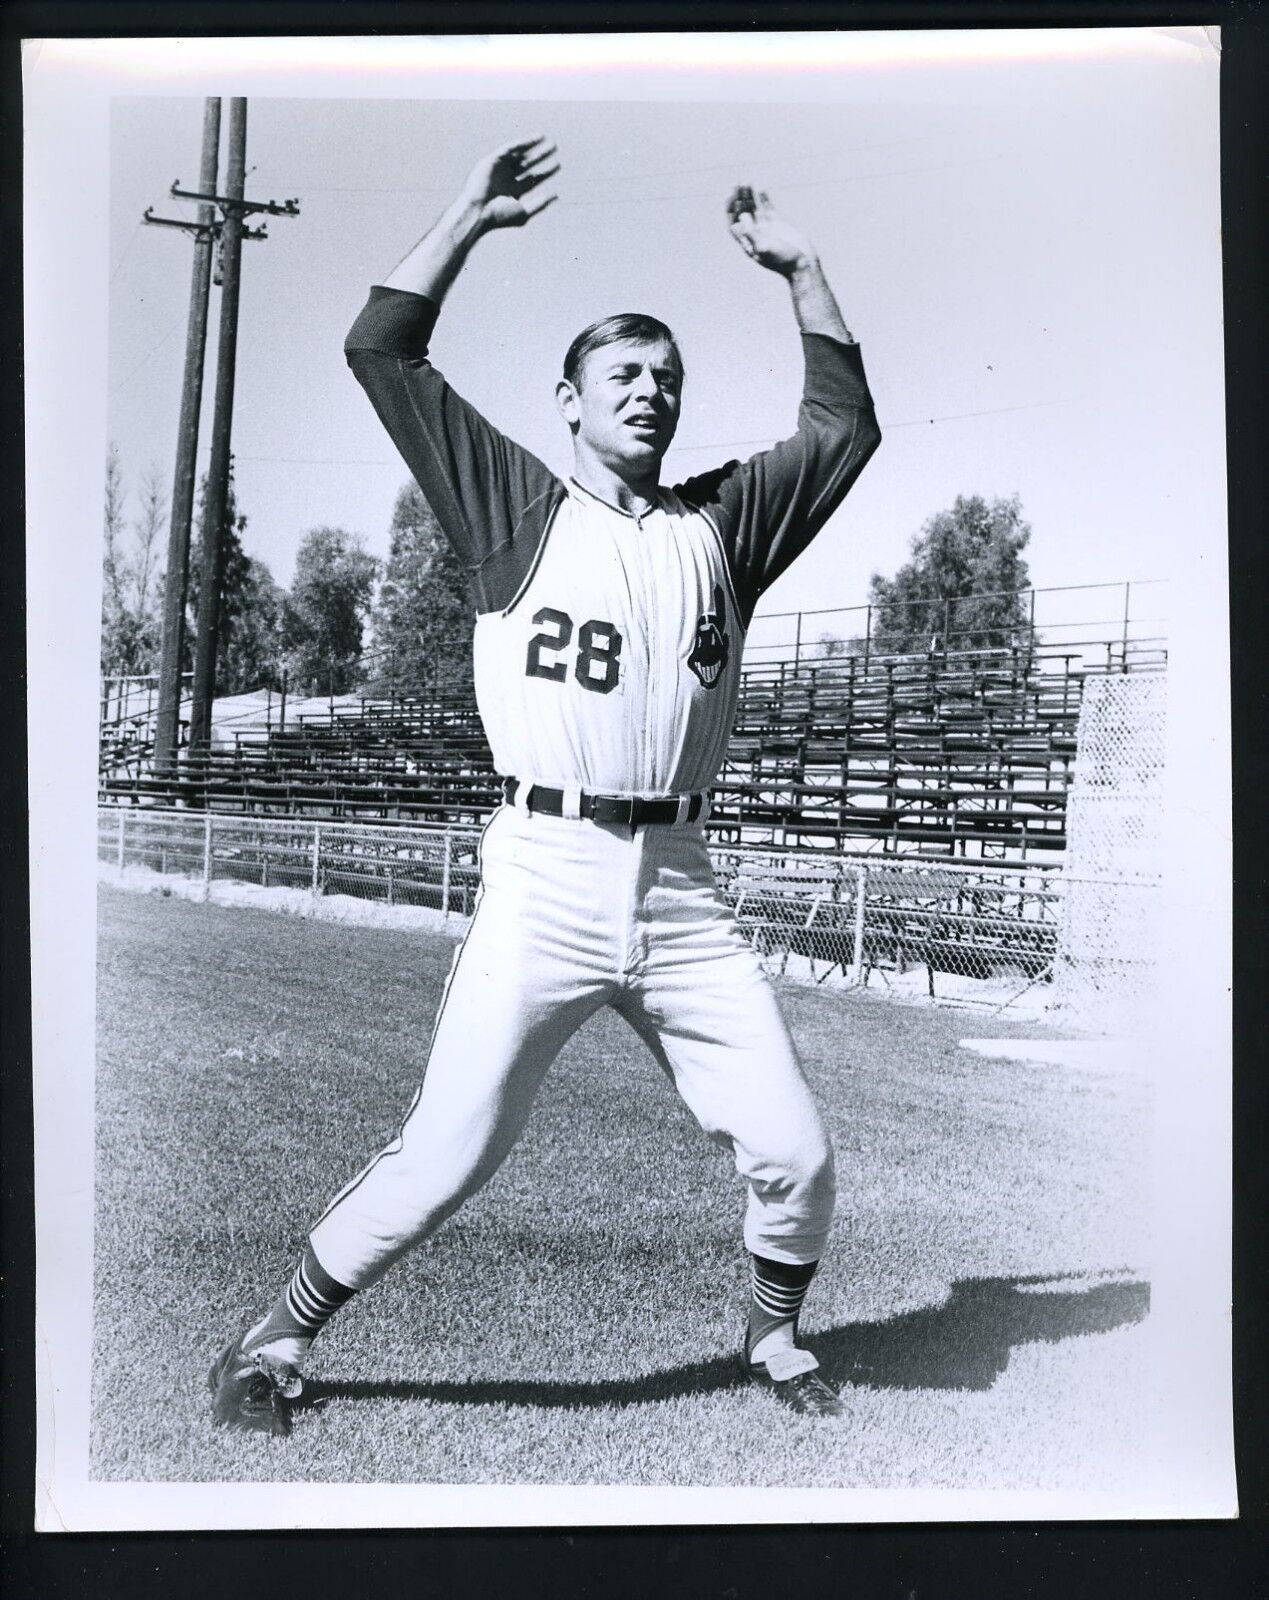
612, 808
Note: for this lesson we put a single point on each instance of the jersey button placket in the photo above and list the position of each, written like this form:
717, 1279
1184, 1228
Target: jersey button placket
642, 841
647, 572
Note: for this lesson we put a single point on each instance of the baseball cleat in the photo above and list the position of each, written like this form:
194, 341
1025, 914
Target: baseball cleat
252, 1393
792, 1377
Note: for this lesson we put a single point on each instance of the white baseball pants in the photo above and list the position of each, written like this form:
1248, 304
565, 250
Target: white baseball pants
574, 915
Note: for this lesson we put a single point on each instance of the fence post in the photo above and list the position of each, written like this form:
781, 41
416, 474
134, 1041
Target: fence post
445, 873
861, 893
207, 855
797, 644
316, 883
123, 818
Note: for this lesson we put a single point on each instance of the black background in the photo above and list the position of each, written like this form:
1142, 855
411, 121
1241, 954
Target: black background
891, 1562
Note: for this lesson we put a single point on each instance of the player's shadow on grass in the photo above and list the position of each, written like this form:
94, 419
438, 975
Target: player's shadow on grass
964, 1343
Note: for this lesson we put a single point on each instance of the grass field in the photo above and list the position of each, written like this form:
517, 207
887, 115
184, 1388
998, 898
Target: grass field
578, 1322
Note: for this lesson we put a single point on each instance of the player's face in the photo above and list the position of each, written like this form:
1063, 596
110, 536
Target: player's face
626, 407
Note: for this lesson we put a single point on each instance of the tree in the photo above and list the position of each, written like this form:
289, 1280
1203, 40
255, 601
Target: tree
249, 646
324, 613
962, 588
146, 576
423, 618
113, 569
251, 649
130, 573
146, 571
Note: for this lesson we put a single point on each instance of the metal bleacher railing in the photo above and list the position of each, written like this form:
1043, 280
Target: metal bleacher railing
818, 917
1056, 617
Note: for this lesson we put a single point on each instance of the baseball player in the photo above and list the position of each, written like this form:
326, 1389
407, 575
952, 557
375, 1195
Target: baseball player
611, 615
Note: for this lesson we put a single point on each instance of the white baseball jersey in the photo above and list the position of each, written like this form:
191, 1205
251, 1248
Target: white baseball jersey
608, 646
616, 667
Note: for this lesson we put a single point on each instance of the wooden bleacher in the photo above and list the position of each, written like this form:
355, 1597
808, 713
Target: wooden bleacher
961, 755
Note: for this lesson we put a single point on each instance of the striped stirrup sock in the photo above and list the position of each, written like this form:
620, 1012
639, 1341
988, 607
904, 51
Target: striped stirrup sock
304, 1307
777, 1292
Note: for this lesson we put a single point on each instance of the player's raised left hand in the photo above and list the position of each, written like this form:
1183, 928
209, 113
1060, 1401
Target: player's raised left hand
765, 236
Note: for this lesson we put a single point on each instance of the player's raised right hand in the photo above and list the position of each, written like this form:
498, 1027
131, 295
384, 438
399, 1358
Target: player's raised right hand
498, 188
765, 236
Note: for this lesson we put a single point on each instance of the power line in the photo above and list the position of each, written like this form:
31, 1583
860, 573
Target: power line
316, 461
734, 165
153, 351
886, 427
806, 183
737, 164
959, 416
726, 444
123, 256
625, 199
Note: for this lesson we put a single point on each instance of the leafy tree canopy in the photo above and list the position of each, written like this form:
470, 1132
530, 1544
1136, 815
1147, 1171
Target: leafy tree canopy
131, 597
423, 618
962, 587
324, 614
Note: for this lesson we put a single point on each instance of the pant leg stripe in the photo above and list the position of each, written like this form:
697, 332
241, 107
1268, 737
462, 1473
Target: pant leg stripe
395, 1145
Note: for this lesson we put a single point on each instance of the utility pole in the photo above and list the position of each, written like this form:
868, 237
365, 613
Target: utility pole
167, 728
234, 209
222, 419
218, 217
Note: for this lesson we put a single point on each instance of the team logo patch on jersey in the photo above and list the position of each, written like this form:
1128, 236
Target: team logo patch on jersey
711, 646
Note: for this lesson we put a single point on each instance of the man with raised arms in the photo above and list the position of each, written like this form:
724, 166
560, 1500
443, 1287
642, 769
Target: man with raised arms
610, 620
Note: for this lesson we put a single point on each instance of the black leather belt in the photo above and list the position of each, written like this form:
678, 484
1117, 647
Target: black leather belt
623, 810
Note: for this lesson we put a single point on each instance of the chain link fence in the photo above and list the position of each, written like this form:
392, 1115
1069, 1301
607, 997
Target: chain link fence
1106, 968
966, 932
956, 927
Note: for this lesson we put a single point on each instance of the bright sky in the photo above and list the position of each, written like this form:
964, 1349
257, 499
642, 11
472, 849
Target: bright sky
1028, 253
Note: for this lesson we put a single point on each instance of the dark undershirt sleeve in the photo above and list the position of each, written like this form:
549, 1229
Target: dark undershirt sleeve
769, 508
492, 498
